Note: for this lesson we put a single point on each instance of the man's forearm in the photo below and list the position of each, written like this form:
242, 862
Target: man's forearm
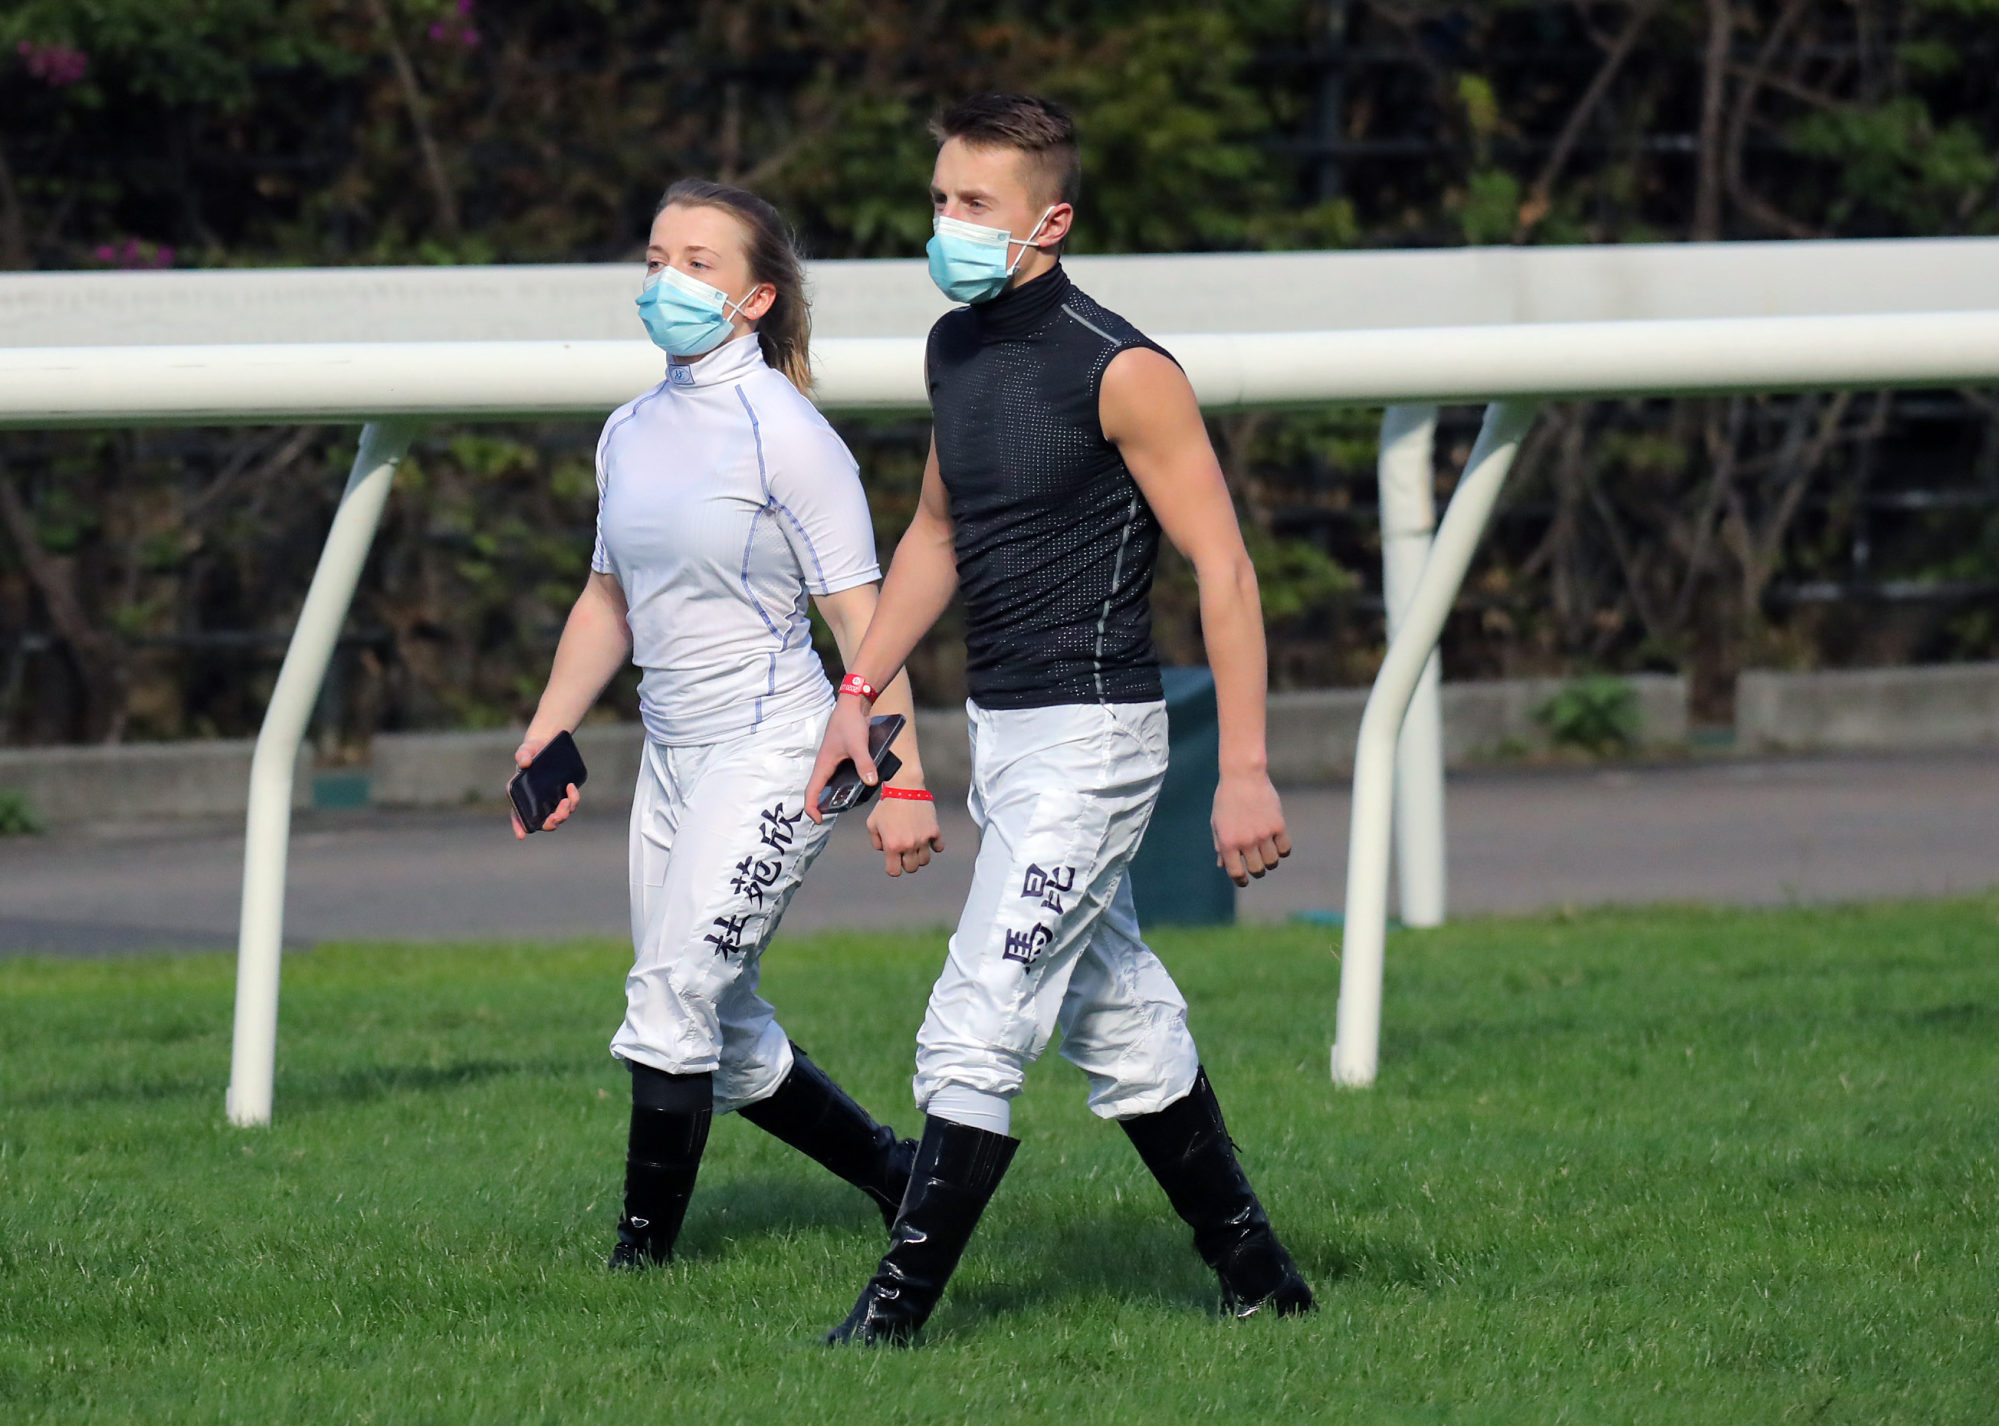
1232, 628
898, 698
921, 580
848, 614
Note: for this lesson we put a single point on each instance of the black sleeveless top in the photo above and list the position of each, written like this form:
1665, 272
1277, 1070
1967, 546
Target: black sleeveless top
1055, 543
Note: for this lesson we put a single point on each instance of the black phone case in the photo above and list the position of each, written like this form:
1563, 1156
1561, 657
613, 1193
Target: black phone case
538, 789
844, 790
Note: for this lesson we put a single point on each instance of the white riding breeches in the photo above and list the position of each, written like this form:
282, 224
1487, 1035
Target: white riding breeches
1049, 935
719, 843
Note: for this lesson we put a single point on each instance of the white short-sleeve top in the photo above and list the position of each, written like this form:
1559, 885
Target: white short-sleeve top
723, 500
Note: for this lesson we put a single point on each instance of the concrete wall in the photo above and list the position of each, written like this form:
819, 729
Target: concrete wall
1944, 706
1312, 734
139, 781
1312, 739
447, 769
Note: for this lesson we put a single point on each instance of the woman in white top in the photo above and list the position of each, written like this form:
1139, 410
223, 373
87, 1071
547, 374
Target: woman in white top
723, 500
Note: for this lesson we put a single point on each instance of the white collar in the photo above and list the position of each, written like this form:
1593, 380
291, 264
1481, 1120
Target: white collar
732, 361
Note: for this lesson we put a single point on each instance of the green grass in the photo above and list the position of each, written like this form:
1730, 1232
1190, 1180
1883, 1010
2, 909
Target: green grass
1663, 1166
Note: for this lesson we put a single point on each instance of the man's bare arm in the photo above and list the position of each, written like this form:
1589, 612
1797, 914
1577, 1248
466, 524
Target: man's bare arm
921, 580
904, 831
1149, 412
922, 577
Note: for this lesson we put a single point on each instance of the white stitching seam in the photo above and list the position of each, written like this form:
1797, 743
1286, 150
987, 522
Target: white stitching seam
1088, 323
1117, 573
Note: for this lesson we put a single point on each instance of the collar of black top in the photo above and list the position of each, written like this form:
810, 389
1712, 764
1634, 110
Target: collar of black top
1019, 310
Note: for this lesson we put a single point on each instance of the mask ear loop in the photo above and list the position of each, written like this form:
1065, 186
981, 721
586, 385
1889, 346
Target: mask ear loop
739, 306
1028, 241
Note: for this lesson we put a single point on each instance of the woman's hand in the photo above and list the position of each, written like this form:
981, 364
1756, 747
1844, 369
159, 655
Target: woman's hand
846, 737
1248, 824
905, 832
523, 755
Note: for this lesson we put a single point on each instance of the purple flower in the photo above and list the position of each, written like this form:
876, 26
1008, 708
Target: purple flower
464, 7
55, 65
132, 253
438, 32
470, 39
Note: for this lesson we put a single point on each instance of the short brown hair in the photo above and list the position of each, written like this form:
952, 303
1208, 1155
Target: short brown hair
1039, 128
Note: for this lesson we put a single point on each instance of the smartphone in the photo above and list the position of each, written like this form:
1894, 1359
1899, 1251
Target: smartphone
538, 789
844, 790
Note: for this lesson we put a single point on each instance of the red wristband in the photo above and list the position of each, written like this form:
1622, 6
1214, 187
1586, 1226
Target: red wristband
855, 684
911, 794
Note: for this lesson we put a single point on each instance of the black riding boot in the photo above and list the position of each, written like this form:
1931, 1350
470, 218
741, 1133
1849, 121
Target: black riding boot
957, 1169
670, 1118
818, 1118
1189, 1151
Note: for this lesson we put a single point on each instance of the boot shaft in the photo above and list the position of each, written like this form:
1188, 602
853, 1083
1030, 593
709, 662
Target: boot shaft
811, 1113
1187, 1147
663, 1149
956, 1172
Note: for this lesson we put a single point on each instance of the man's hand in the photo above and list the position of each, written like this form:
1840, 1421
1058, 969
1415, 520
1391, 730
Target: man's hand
523, 755
846, 737
905, 832
1249, 827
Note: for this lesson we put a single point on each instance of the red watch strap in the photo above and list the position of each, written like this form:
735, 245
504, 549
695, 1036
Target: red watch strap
912, 794
855, 684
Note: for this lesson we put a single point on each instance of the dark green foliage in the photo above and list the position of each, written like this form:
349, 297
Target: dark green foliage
1596, 715
17, 815
1650, 535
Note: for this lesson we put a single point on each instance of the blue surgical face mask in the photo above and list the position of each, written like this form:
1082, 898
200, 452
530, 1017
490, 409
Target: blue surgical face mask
685, 316
969, 262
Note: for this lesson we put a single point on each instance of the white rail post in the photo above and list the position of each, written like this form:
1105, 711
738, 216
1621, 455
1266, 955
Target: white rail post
267, 828
1408, 516
1357, 1035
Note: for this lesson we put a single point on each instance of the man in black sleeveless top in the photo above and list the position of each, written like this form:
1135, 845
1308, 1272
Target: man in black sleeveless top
1065, 443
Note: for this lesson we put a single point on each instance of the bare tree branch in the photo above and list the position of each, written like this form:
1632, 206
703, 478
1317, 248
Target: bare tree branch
1755, 79
1723, 453
1627, 560
1714, 80
14, 251
237, 473
433, 161
99, 657
1538, 201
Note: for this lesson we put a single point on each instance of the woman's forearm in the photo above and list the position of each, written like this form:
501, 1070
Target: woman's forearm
596, 642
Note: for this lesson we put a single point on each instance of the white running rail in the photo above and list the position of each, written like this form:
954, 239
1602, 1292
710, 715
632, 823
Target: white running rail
1509, 356
1408, 520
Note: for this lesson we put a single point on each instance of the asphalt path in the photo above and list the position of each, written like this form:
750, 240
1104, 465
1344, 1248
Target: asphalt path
1737, 832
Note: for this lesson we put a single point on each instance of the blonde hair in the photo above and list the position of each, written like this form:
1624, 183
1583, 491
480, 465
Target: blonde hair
785, 331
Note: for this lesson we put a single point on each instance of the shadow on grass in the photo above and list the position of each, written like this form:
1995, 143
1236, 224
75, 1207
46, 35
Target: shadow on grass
143, 1085
1107, 1255
1113, 1258
362, 1086
739, 1214
137, 1089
